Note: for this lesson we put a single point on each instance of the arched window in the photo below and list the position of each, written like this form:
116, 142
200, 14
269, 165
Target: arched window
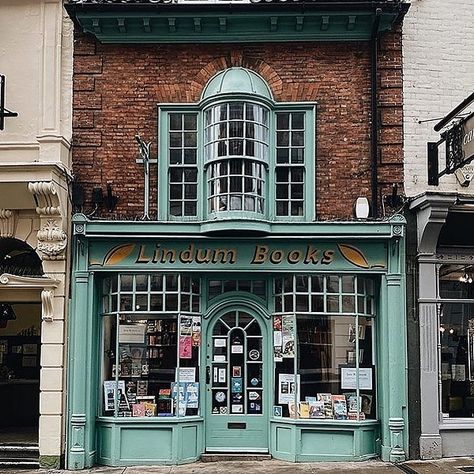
237, 154
18, 258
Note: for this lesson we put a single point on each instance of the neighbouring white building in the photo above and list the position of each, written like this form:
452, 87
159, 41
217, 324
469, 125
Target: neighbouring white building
438, 76
36, 62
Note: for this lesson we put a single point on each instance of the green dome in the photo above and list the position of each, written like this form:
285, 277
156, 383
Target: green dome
236, 80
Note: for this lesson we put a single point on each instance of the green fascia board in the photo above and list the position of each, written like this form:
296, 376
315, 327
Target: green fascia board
374, 230
153, 26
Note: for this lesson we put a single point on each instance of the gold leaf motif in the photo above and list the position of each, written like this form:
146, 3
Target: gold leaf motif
353, 255
117, 254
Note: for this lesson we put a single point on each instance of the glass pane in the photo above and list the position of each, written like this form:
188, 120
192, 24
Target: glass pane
126, 282
175, 121
190, 121
283, 121
457, 358
456, 281
297, 121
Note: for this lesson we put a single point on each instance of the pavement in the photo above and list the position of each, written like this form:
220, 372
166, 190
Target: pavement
442, 466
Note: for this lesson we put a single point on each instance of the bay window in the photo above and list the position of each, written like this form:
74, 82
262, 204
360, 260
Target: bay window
324, 353
237, 155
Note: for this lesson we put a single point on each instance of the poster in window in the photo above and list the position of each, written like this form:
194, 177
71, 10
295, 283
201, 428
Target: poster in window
185, 347
196, 331
132, 333
458, 372
29, 361
287, 388
30, 349
349, 378
277, 339
113, 390
185, 337
288, 336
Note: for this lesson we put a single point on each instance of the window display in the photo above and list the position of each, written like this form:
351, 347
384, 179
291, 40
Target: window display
456, 329
324, 363
151, 362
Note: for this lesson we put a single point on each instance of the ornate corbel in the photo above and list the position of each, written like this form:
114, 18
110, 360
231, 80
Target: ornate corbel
52, 240
7, 222
46, 197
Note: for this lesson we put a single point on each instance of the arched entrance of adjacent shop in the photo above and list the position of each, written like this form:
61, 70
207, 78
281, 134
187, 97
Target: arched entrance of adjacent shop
21, 285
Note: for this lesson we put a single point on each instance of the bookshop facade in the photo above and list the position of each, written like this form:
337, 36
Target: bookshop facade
182, 345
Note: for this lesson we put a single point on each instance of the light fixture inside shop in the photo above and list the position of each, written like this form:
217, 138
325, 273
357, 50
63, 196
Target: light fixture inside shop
6, 312
466, 278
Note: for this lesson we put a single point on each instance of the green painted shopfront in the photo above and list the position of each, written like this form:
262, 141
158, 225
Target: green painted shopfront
238, 275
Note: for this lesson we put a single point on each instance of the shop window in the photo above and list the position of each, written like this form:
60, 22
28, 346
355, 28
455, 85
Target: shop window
150, 345
243, 154
219, 287
456, 329
324, 349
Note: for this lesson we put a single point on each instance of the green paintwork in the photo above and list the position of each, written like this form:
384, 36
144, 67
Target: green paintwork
239, 255
335, 440
120, 442
323, 230
126, 442
254, 438
153, 25
236, 80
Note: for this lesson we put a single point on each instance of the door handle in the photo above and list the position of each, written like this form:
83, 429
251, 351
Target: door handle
208, 375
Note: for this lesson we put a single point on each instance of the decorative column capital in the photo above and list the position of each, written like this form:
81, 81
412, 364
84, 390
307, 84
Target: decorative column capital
52, 240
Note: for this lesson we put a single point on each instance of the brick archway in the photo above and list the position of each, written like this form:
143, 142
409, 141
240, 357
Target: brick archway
235, 59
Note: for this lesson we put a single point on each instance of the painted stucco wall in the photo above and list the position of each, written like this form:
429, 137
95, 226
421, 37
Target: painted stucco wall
36, 58
438, 69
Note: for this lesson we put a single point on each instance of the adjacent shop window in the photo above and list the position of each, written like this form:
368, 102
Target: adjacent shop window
151, 335
456, 329
323, 338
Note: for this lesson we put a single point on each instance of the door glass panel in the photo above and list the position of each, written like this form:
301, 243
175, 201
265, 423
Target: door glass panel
237, 365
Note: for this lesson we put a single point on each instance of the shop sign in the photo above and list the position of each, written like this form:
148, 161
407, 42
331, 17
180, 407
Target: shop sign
245, 255
468, 139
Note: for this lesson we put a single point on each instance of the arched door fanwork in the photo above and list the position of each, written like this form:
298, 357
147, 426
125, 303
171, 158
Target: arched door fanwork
237, 402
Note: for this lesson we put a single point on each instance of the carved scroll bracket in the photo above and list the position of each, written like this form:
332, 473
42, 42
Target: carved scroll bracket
46, 197
47, 313
7, 222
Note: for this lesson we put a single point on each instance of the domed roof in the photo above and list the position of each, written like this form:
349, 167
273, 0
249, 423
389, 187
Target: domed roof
236, 80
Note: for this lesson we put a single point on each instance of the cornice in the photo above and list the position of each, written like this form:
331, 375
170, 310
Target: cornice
151, 22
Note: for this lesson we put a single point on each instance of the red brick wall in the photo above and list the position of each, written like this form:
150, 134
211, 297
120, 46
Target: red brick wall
117, 87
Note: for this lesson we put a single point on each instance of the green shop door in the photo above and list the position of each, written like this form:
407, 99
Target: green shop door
236, 401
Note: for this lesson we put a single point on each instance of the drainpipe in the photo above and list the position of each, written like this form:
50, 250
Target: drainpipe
374, 112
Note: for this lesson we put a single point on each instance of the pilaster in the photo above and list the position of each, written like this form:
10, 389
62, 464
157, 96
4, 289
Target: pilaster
78, 371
